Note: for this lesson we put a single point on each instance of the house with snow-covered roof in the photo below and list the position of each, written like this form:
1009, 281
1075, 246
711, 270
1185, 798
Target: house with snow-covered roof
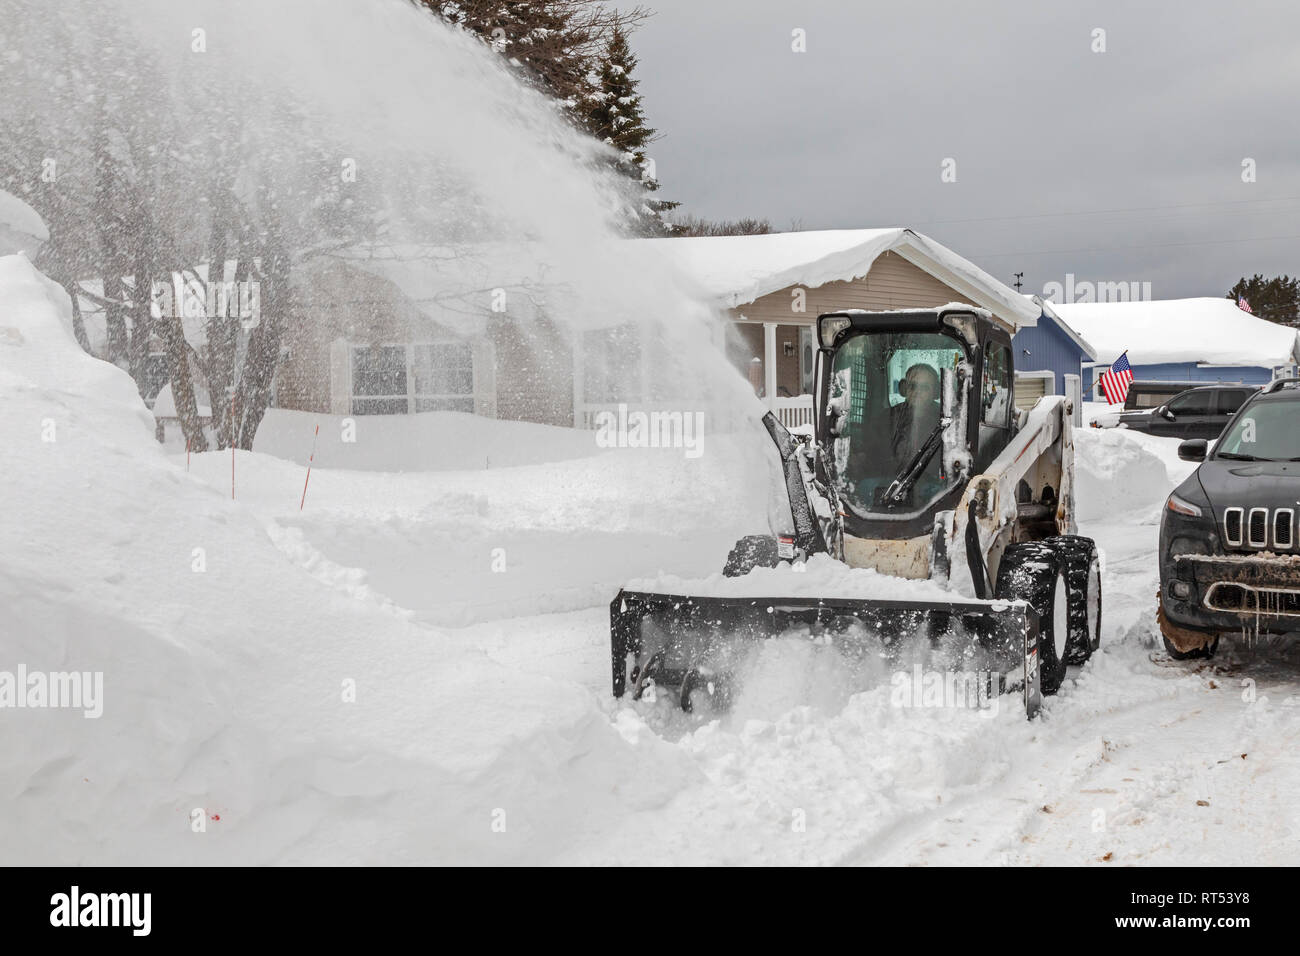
1184, 340
387, 331
771, 288
395, 330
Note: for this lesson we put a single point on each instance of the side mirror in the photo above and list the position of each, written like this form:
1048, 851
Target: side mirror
1166, 414
1193, 449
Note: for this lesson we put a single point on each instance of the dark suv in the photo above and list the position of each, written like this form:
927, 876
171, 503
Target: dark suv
1229, 542
1196, 413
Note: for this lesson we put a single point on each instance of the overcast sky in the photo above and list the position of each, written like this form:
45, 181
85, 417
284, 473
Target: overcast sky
1049, 138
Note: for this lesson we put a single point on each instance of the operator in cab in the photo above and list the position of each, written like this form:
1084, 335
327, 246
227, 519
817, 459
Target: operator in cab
913, 419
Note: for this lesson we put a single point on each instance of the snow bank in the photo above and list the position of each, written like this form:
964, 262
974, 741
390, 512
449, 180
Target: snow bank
21, 227
1213, 331
227, 668
430, 441
1115, 472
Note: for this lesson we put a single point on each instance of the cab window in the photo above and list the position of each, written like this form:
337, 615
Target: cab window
997, 386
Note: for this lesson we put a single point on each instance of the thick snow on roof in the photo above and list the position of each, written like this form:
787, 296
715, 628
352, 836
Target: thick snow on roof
1208, 330
740, 269
193, 321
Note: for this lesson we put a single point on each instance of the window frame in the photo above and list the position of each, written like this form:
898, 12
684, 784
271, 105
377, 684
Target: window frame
411, 397
1223, 402
1189, 395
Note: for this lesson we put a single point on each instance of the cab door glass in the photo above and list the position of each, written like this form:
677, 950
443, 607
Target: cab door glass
996, 405
996, 393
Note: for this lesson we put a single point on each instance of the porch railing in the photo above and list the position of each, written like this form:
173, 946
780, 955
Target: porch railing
795, 411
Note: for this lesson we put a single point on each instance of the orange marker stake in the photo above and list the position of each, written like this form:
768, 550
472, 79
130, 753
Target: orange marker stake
309, 461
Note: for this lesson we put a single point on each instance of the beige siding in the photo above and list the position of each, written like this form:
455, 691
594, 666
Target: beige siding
1029, 389
892, 283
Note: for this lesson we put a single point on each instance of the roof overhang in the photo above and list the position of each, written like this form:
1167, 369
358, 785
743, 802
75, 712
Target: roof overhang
1007, 307
1064, 326
734, 271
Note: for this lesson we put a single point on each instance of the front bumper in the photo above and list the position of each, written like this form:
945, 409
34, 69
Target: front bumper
1221, 592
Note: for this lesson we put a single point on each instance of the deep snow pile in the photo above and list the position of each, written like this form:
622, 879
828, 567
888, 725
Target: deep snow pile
430, 441
225, 666
1115, 473
21, 229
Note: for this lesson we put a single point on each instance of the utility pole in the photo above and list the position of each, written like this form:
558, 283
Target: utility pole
1018, 283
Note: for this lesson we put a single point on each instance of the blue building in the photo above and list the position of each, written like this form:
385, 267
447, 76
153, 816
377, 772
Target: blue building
1051, 358
1052, 346
1184, 340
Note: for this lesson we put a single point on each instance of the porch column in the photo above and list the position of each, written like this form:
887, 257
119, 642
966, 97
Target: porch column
769, 364
579, 378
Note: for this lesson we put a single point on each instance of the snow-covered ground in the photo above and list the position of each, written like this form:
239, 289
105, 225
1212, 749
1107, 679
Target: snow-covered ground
413, 666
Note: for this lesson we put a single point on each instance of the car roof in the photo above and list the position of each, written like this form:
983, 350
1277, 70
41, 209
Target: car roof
1279, 392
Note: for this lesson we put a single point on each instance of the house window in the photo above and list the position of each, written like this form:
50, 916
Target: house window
396, 379
443, 375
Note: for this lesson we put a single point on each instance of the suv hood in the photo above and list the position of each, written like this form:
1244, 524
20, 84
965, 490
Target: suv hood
1250, 484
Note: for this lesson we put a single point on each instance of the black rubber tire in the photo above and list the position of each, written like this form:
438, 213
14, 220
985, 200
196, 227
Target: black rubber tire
1200, 653
1031, 572
751, 551
1083, 578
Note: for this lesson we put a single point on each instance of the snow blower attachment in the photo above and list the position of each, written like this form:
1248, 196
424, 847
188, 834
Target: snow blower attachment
921, 468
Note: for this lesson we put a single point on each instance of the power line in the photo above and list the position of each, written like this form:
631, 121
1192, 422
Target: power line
1103, 212
1152, 245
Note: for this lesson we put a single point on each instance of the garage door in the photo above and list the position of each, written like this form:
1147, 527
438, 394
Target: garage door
1029, 389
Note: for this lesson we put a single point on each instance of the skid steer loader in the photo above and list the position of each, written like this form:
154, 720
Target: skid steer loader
919, 466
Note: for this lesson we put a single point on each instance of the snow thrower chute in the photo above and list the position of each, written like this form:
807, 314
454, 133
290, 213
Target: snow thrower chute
921, 468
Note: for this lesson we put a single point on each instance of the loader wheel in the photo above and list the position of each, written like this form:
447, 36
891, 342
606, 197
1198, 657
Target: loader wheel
1083, 577
1035, 572
750, 552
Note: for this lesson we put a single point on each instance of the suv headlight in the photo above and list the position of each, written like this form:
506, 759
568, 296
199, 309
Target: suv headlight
1183, 507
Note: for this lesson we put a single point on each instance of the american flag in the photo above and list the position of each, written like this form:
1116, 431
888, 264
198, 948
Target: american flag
1243, 304
1116, 381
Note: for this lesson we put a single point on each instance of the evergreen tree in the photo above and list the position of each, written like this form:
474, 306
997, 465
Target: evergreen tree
1276, 299
616, 117
548, 42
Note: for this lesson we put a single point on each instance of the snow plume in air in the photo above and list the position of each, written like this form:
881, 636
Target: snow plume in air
336, 134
